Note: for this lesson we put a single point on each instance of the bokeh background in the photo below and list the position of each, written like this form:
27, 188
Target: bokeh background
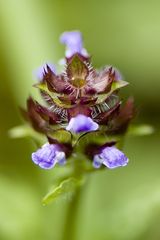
116, 205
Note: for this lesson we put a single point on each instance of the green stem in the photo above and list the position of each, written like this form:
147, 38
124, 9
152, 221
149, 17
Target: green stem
71, 218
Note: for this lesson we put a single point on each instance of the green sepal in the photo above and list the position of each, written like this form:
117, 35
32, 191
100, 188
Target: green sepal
61, 135
96, 137
52, 95
118, 84
41, 86
115, 86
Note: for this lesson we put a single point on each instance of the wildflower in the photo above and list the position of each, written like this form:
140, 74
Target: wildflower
81, 123
48, 155
111, 157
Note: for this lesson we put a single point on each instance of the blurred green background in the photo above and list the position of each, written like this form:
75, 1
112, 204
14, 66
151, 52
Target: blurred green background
116, 205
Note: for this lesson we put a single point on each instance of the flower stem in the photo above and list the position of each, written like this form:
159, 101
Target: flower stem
71, 218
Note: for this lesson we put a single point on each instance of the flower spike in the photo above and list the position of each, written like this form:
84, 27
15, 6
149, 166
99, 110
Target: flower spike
81, 110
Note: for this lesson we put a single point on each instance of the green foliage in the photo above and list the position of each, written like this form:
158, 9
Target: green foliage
140, 130
65, 189
24, 131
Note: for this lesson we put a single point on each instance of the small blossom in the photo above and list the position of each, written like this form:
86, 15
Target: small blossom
74, 43
82, 123
39, 72
111, 157
48, 155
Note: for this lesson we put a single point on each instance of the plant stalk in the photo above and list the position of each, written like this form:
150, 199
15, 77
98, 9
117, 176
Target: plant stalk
69, 232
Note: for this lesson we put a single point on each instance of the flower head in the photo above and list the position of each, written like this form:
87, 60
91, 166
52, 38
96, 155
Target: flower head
48, 155
81, 123
81, 99
111, 157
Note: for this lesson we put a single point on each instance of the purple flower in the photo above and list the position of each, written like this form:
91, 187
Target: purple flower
74, 43
48, 155
39, 72
111, 157
82, 123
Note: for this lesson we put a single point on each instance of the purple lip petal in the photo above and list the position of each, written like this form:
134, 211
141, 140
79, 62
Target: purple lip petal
82, 123
48, 155
111, 157
74, 43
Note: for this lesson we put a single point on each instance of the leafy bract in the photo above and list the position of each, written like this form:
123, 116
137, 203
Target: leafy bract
65, 188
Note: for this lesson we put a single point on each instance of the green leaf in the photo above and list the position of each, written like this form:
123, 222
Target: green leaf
25, 131
140, 130
20, 131
65, 189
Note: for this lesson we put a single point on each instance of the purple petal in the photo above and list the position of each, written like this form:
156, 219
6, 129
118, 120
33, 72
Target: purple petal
61, 158
39, 72
82, 123
48, 155
73, 42
111, 157
118, 75
97, 161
